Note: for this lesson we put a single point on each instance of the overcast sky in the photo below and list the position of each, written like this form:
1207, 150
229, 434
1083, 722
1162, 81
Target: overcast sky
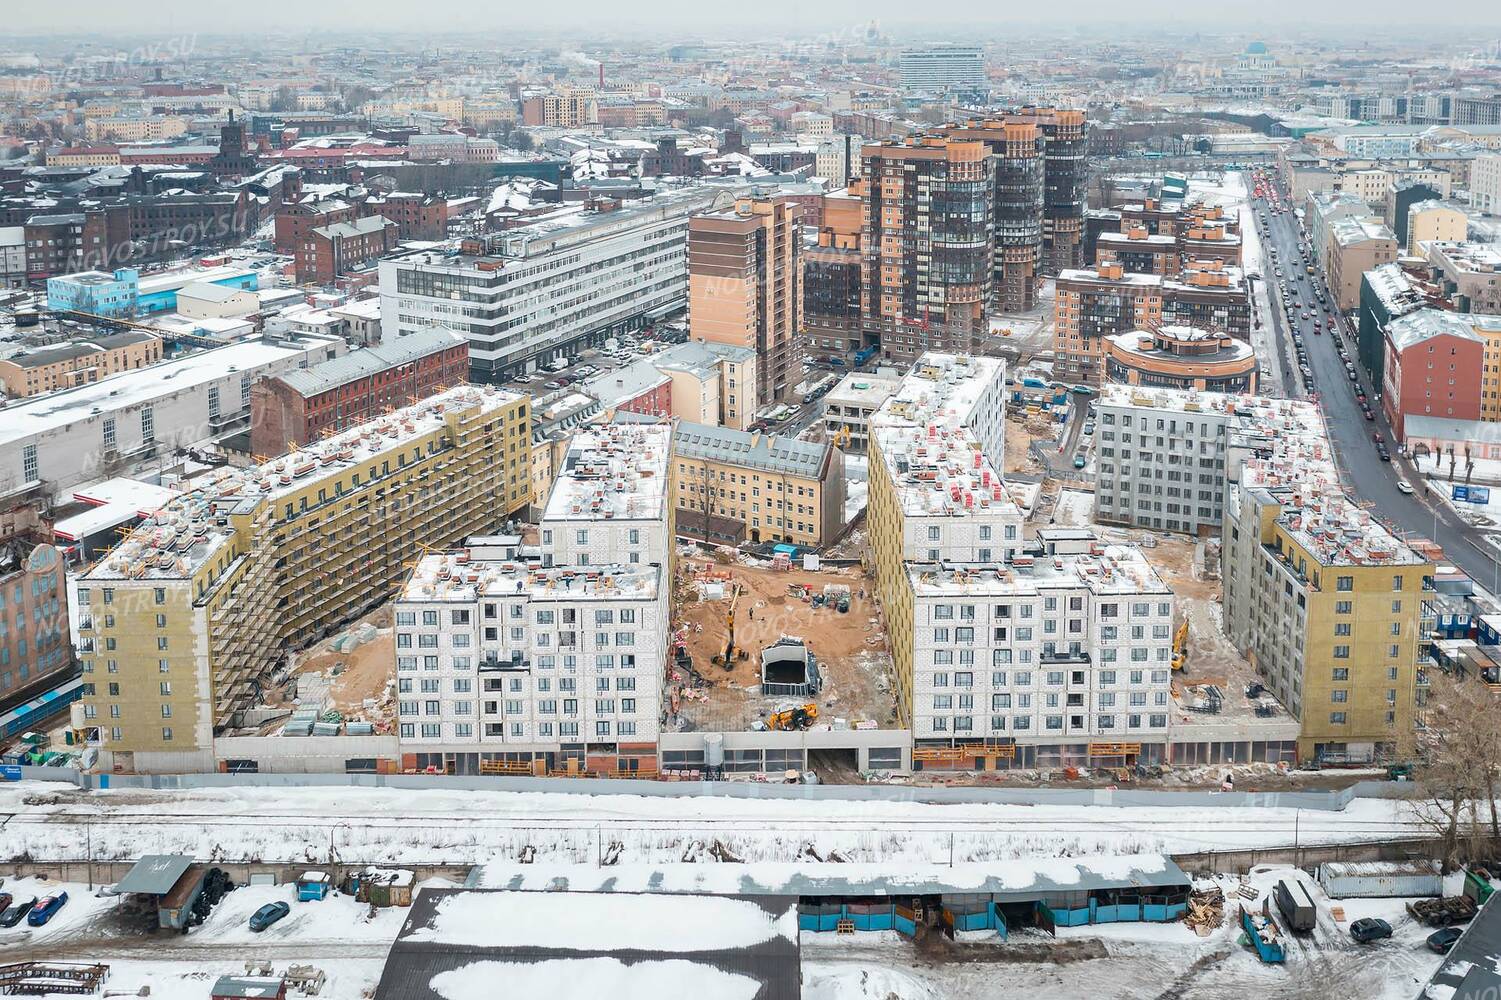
676, 18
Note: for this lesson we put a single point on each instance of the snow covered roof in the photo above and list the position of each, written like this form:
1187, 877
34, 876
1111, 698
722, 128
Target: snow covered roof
458, 944
1017, 878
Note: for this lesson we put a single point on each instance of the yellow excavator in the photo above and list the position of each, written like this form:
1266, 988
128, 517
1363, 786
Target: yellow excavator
728, 661
793, 718
1180, 646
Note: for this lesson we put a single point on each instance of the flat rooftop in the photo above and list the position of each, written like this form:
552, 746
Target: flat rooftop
39, 414
461, 576
169, 281
614, 471
927, 437
175, 541
1283, 448
1106, 569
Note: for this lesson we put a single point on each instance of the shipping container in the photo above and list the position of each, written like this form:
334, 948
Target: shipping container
1380, 879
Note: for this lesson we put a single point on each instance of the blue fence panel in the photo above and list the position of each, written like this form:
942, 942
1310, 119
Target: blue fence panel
1000, 923
904, 925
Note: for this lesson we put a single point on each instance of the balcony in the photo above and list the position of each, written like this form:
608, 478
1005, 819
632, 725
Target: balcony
1064, 656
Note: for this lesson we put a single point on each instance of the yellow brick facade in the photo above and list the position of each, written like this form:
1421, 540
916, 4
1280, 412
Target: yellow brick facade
291, 568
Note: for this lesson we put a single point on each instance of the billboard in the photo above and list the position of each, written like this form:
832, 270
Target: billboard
1472, 494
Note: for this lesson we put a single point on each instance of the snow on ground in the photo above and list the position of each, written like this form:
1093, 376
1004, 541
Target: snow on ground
1075, 507
406, 826
81, 908
856, 481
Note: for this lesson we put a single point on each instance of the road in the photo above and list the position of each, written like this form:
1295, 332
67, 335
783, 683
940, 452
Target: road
1372, 481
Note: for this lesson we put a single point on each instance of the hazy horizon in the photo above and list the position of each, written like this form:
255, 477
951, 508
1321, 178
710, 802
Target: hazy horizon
677, 18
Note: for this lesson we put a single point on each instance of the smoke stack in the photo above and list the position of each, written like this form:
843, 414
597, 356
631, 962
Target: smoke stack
601, 76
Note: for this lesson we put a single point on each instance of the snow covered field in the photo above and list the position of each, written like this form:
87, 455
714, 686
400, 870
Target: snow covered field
379, 825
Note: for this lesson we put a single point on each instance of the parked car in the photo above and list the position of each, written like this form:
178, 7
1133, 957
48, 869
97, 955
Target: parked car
46, 908
16, 912
5, 901
272, 912
1442, 941
1368, 929
1403, 486
1079, 461
1382, 453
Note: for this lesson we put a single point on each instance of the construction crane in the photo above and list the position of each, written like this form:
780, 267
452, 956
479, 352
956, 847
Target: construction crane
1180, 646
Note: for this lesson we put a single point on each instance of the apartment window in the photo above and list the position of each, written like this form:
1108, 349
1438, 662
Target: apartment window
1336, 718
1342, 607
1346, 583
28, 464
167, 734
1397, 582
1341, 652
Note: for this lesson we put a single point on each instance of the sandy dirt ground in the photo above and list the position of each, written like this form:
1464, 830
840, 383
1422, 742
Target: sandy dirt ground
366, 670
1019, 436
851, 647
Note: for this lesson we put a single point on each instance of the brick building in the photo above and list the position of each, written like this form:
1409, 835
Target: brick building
303, 406
294, 222
330, 251
417, 216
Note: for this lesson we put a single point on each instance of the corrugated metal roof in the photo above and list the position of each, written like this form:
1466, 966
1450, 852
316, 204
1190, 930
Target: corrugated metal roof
367, 361
155, 874
412, 964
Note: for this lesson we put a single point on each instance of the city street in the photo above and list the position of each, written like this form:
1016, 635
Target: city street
1373, 481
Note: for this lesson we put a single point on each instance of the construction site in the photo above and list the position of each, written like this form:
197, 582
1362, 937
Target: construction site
805, 648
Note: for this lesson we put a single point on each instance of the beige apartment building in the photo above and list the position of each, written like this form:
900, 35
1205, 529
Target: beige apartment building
1355, 247
735, 486
743, 288
48, 369
1428, 221
152, 129
84, 156
188, 621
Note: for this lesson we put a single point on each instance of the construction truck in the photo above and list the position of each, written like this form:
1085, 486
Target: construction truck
793, 718
1180, 646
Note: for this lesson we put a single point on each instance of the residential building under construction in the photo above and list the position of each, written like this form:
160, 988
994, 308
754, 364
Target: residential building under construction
189, 620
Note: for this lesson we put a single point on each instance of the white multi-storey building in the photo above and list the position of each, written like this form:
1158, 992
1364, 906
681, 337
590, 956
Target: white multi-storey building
550, 288
512, 661
1485, 183
1160, 459
53, 442
1058, 649
1165, 457
1040, 650
943, 67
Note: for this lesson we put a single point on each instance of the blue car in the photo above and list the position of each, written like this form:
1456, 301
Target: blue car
45, 908
268, 915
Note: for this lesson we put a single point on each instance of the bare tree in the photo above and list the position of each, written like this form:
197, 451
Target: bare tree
1457, 753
